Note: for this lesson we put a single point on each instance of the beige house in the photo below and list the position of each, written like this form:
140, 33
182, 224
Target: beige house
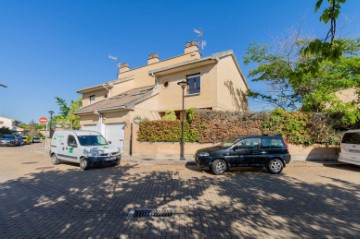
215, 82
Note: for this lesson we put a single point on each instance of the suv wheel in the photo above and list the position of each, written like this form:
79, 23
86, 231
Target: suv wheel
218, 166
84, 164
54, 159
275, 166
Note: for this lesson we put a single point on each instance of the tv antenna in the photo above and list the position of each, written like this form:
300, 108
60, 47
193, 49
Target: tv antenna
201, 43
116, 59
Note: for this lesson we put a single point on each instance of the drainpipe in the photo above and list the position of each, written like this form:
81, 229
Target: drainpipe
101, 118
109, 93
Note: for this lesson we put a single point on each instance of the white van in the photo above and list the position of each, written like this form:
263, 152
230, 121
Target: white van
350, 147
88, 148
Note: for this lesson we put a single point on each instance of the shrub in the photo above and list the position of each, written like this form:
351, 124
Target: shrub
206, 126
169, 115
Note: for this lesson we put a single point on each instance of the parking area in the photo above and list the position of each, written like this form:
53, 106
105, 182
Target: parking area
40, 200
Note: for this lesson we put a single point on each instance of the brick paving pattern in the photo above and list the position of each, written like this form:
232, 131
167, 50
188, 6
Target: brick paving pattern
39, 200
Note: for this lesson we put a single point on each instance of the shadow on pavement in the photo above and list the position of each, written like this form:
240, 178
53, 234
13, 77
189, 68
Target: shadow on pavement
241, 203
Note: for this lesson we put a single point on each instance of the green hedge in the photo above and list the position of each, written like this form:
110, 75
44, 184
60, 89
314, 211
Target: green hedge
206, 126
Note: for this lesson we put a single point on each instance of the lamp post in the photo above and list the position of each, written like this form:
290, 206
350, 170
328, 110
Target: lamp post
2, 85
183, 84
51, 115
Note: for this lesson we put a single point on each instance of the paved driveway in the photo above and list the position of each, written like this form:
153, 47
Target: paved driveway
39, 200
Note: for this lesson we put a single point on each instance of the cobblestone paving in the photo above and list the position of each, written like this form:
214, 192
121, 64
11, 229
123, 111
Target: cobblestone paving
41, 201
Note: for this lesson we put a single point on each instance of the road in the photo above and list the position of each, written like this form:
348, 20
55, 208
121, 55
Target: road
40, 200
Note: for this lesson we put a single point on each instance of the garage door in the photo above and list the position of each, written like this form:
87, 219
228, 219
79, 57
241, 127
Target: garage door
92, 127
115, 134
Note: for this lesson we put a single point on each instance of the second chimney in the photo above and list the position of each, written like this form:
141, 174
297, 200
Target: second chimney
124, 68
153, 58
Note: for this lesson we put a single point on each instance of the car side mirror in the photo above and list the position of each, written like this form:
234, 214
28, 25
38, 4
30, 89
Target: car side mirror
235, 148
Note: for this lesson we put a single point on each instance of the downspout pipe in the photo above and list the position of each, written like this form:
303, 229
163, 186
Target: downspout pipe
101, 118
106, 87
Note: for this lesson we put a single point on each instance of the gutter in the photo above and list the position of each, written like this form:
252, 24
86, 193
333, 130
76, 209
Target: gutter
109, 92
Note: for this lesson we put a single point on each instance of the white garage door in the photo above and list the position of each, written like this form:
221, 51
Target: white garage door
92, 127
115, 134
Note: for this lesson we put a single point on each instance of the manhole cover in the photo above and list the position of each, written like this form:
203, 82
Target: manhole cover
150, 213
41, 168
29, 162
147, 159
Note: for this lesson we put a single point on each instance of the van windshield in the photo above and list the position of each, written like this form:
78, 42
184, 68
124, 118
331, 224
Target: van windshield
91, 140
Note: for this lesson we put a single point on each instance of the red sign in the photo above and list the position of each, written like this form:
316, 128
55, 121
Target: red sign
43, 120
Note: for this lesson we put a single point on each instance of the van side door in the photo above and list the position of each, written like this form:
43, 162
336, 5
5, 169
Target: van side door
71, 149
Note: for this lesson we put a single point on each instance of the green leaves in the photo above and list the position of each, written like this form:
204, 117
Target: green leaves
67, 115
311, 80
318, 4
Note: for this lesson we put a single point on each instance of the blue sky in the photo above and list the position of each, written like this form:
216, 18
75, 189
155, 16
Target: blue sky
53, 48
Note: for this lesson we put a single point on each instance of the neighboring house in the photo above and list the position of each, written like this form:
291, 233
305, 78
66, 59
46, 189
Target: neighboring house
215, 82
349, 96
12, 124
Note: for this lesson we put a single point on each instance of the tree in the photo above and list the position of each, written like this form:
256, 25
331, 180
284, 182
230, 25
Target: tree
64, 109
5, 130
299, 80
327, 50
331, 13
66, 113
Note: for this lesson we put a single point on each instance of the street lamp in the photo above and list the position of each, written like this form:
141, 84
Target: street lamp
2, 85
183, 84
51, 115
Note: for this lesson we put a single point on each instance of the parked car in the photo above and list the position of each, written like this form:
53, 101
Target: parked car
8, 140
19, 141
350, 147
85, 147
25, 140
36, 139
248, 151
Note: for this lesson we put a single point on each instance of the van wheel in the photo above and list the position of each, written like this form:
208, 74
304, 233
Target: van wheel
84, 164
54, 159
219, 166
275, 166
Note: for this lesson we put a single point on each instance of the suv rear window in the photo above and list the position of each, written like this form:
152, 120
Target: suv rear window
351, 138
272, 143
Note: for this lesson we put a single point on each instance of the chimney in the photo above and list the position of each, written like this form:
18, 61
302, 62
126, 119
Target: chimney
191, 47
153, 58
124, 68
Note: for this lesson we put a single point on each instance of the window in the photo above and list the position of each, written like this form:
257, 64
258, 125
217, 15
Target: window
194, 84
248, 143
92, 99
351, 138
271, 143
72, 141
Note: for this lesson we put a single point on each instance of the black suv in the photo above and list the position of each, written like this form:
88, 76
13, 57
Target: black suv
248, 151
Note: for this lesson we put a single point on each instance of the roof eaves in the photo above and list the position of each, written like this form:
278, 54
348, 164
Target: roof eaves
100, 86
180, 65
